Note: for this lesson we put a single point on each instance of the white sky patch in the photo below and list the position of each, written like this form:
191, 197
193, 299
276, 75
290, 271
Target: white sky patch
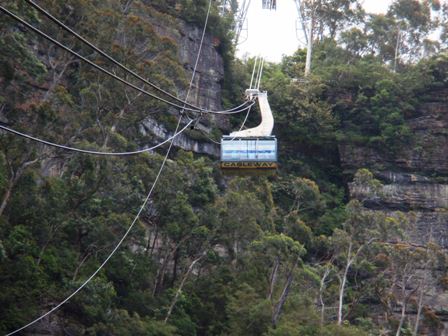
273, 33
376, 6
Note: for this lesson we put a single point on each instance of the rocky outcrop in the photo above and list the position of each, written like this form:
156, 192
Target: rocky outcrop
406, 197
415, 177
206, 87
181, 141
415, 182
425, 156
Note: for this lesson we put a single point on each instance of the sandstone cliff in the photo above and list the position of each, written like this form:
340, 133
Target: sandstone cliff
415, 182
206, 87
416, 177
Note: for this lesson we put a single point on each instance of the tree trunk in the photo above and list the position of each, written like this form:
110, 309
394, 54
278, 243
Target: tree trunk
309, 51
405, 281
7, 195
42, 251
403, 311
153, 245
119, 117
273, 278
281, 302
57, 77
235, 249
397, 49
127, 6
76, 272
301, 11
343, 282
350, 260
321, 298
179, 290
422, 285
161, 272
14, 178
160, 277
175, 262
322, 310
420, 303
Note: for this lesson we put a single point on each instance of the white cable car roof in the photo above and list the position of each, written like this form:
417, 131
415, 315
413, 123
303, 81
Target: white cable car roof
264, 129
267, 120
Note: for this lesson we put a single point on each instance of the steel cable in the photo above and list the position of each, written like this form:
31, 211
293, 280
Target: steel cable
86, 151
237, 109
114, 61
142, 207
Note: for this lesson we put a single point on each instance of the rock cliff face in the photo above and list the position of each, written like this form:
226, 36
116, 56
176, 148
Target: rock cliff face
206, 86
416, 177
206, 90
181, 141
425, 157
415, 182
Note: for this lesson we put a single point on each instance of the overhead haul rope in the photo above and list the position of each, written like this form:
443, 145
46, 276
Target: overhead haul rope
253, 72
257, 80
242, 107
104, 54
257, 75
142, 207
113, 60
242, 125
86, 151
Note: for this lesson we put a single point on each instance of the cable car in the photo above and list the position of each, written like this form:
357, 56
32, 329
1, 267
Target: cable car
249, 153
254, 150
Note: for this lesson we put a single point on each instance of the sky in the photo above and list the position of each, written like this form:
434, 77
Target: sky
272, 34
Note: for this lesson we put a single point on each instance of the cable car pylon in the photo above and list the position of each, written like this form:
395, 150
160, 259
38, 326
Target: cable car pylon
269, 4
253, 150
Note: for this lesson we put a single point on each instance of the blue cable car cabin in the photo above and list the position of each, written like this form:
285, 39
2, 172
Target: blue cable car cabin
253, 150
249, 153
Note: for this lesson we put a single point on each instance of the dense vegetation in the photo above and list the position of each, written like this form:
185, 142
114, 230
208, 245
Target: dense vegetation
210, 255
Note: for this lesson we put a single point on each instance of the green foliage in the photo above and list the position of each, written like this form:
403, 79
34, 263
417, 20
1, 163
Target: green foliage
94, 301
120, 322
265, 244
249, 314
293, 330
278, 246
342, 331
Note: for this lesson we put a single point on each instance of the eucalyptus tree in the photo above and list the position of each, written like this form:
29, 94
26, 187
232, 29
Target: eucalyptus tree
414, 23
284, 255
444, 24
323, 19
403, 34
358, 233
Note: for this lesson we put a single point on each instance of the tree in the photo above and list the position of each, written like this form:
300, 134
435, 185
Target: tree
322, 18
284, 253
241, 217
358, 233
431, 260
404, 260
414, 23
407, 267
403, 34
325, 273
178, 223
